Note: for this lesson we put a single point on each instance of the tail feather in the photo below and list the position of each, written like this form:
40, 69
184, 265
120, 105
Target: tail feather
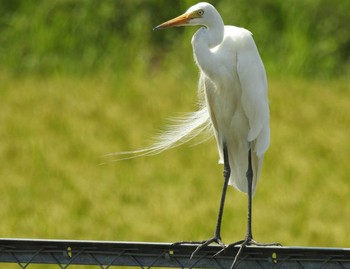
181, 130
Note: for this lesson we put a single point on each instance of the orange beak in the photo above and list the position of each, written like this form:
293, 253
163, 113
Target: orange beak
178, 21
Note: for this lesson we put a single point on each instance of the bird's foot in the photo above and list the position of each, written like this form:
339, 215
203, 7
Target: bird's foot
248, 241
202, 244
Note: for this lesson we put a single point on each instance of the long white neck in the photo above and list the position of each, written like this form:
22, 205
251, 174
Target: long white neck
204, 40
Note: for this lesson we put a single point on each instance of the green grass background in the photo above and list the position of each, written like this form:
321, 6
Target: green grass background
55, 131
57, 121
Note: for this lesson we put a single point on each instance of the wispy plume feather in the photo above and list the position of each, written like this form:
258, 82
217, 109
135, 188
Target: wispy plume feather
180, 130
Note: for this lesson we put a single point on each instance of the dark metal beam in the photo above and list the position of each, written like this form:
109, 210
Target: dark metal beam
146, 255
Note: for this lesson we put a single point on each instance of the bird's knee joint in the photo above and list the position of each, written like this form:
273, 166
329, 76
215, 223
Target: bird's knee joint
249, 174
227, 172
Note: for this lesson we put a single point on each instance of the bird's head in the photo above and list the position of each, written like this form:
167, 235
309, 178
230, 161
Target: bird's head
199, 14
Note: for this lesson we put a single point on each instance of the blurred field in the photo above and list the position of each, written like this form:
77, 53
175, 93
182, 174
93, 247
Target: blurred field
55, 130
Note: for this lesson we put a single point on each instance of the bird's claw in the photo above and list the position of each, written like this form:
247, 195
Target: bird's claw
201, 244
205, 243
249, 241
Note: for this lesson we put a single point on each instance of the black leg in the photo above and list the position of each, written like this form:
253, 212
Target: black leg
217, 234
227, 173
249, 235
248, 240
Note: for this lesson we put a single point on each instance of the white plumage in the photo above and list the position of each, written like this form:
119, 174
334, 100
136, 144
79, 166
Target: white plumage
235, 85
233, 82
234, 105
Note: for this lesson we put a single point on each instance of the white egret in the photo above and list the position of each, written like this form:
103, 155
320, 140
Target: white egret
234, 84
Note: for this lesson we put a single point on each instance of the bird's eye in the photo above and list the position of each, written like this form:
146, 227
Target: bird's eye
200, 12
